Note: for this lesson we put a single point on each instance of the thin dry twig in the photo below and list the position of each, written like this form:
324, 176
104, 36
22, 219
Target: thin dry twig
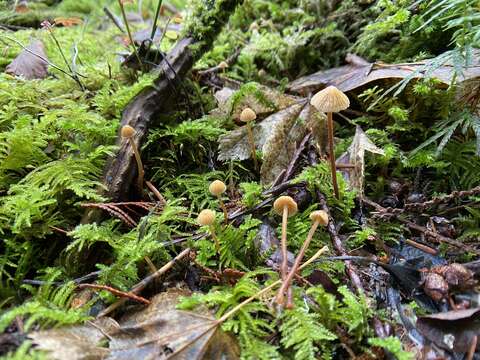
116, 292
422, 229
142, 284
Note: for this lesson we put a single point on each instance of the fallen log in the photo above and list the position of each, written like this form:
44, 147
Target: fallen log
140, 113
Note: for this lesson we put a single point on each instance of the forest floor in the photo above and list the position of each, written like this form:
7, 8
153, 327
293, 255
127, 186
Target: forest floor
239, 179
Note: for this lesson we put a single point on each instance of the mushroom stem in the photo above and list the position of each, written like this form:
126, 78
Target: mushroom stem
332, 154
215, 239
284, 267
288, 279
139, 163
252, 145
223, 207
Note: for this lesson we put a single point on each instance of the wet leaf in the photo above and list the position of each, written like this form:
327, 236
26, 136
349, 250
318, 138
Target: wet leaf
451, 330
273, 100
159, 331
276, 137
78, 342
355, 156
359, 72
31, 63
67, 22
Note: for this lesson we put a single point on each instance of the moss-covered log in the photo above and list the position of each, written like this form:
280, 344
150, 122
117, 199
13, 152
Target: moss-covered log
208, 17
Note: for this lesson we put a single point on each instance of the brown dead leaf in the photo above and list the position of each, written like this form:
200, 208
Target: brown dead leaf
31, 63
67, 22
80, 342
159, 331
275, 100
22, 7
359, 72
277, 136
355, 155
451, 330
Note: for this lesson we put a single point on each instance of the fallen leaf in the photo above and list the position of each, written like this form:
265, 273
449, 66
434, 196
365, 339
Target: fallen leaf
286, 134
229, 105
451, 330
67, 22
359, 72
31, 63
80, 342
22, 7
355, 156
159, 331
277, 136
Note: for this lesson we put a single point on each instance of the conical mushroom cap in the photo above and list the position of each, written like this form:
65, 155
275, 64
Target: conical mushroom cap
217, 187
223, 65
127, 131
320, 216
330, 99
283, 201
247, 115
206, 217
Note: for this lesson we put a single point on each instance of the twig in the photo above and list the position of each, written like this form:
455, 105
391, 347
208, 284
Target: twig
155, 19
142, 284
441, 199
114, 19
422, 229
115, 292
125, 21
157, 193
296, 156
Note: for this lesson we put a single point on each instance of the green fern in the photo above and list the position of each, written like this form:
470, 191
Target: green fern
304, 333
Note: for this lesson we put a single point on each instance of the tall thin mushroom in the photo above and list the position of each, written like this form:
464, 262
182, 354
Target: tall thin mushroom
217, 188
206, 217
247, 116
128, 133
318, 217
331, 100
286, 207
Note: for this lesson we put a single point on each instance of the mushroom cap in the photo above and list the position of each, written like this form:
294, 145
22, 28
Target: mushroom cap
223, 65
247, 115
217, 187
320, 216
127, 131
330, 99
206, 217
287, 201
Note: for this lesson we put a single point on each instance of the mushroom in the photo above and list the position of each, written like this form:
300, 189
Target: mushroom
286, 207
318, 217
128, 133
223, 65
217, 188
247, 116
331, 100
206, 217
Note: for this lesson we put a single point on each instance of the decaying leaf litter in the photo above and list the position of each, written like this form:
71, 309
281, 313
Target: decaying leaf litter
169, 190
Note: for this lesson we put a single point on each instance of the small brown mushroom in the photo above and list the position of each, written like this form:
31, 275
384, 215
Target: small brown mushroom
286, 207
206, 217
247, 116
217, 188
223, 65
128, 133
330, 100
318, 217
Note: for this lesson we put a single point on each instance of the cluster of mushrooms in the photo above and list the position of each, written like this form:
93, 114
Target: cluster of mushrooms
328, 100
284, 206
